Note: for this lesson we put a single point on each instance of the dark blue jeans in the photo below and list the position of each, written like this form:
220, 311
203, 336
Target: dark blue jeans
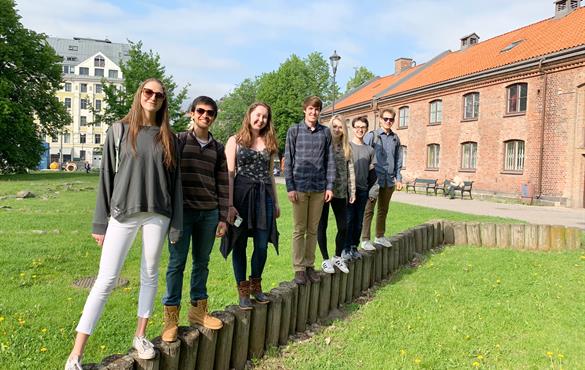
355, 216
201, 227
239, 257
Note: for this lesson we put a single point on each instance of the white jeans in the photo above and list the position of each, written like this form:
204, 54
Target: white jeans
117, 242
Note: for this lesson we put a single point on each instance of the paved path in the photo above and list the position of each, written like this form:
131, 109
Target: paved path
534, 214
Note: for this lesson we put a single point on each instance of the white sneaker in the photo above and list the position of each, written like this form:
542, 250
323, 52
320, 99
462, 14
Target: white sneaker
144, 348
340, 264
73, 364
327, 267
346, 254
383, 241
368, 246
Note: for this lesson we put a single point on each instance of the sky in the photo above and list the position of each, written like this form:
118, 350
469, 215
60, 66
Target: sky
215, 45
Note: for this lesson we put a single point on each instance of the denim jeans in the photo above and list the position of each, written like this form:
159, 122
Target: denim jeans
200, 226
355, 216
339, 206
239, 258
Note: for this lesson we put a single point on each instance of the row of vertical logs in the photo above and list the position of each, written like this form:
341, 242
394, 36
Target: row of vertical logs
248, 334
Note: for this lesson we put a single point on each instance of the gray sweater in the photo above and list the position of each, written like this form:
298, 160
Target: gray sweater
142, 183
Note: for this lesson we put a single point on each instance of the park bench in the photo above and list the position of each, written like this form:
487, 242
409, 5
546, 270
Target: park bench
467, 185
427, 184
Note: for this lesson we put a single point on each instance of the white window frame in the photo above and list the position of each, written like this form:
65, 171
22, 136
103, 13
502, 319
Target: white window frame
469, 155
403, 116
517, 98
514, 154
436, 112
433, 156
471, 101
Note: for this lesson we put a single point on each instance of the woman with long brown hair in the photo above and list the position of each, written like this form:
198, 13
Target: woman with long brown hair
141, 155
253, 202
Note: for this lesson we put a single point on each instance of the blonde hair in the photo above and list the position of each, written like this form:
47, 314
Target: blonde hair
344, 137
244, 135
135, 119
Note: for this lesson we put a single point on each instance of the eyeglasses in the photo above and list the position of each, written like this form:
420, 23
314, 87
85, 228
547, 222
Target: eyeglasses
210, 112
360, 128
388, 119
148, 93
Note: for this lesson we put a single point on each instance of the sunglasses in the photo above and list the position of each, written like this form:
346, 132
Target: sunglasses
388, 119
148, 93
210, 112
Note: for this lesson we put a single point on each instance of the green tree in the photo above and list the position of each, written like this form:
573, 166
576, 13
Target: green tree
30, 75
140, 66
321, 80
360, 76
232, 108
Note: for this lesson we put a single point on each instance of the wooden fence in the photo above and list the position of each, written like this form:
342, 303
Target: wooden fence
248, 334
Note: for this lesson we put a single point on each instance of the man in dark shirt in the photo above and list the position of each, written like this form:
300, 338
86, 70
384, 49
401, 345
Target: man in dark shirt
205, 204
386, 144
309, 168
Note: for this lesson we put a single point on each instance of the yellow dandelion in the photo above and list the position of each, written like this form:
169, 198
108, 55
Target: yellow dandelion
43, 330
417, 360
549, 354
1, 318
480, 357
498, 346
467, 337
21, 322
498, 281
34, 276
69, 298
560, 356
43, 349
475, 364
22, 274
402, 352
582, 258
127, 289
102, 347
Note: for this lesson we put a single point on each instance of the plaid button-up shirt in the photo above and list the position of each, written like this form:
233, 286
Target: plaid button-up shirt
309, 163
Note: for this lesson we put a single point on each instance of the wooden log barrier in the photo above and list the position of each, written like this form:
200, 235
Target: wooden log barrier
225, 336
572, 238
273, 319
557, 237
357, 282
303, 306
314, 302
411, 250
385, 253
401, 250
448, 233
517, 236
530, 236
114, 362
378, 263
473, 234
366, 270
430, 237
544, 237
257, 330
206, 350
350, 281
460, 233
169, 353
437, 232
418, 239
487, 234
503, 239
286, 296
324, 295
294, 288
424, 245
395, 253
140, 364
342, 287
189, 338
241, 337
335, 288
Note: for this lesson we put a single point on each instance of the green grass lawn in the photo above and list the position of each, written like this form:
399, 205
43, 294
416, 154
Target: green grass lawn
45, 244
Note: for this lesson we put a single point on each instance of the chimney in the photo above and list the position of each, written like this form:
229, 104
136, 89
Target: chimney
469, 40
564, 7
402, 64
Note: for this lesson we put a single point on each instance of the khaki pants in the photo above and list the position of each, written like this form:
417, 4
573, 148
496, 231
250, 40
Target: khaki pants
306, 215
384, 197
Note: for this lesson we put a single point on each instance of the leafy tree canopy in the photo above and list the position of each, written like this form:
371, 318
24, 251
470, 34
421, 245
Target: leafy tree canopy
361, 75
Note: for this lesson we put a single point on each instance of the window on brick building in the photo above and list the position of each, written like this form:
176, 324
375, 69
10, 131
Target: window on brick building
403, 117
435, 112
514, 155
517, 96
471, 105
469, 155
404, 151
433, 152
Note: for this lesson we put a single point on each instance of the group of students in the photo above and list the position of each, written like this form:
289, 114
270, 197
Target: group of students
190, 188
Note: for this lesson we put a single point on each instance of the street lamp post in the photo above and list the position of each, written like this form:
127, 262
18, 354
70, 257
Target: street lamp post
334, 62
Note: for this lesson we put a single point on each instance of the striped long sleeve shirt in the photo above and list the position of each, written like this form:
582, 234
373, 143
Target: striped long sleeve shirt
204, 175
309, 162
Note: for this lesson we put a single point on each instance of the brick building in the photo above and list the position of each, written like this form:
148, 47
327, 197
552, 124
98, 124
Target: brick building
505, 112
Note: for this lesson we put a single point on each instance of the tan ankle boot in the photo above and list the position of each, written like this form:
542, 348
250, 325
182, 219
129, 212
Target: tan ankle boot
198, 316
171, 318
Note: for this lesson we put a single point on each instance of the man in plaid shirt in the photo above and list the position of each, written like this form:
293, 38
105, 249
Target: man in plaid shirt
309, 168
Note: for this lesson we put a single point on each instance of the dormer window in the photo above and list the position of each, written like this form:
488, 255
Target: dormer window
469, 40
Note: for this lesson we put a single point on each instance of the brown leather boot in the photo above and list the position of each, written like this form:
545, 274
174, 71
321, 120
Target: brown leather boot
256, 290
300, 278
198, 316
171, 323
244, 293
312, 275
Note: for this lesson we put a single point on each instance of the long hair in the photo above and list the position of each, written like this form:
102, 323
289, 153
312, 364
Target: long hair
344, 139
244, 135
135, 118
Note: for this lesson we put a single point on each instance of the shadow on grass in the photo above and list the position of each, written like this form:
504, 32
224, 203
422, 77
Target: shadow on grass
48, 176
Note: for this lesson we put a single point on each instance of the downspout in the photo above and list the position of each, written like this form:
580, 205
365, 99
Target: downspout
542, 122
